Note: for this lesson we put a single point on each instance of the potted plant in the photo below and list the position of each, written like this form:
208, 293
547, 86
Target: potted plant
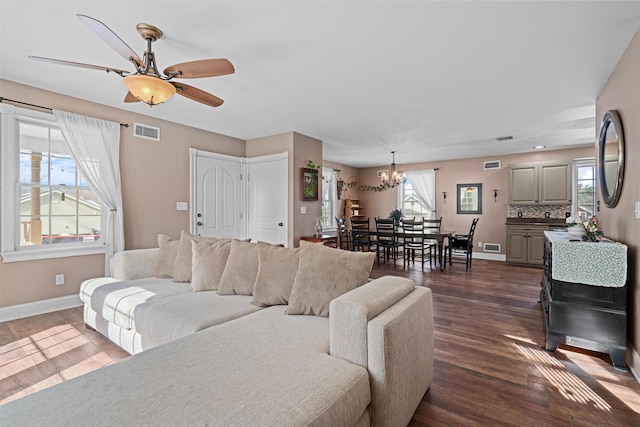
396, 214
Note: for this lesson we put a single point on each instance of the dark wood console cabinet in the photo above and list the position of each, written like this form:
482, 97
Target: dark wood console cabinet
583, 315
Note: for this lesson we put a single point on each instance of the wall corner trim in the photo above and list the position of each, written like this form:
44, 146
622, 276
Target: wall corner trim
19, 311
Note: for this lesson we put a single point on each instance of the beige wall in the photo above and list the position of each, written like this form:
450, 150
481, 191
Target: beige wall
622, 93
491, 228
155, 175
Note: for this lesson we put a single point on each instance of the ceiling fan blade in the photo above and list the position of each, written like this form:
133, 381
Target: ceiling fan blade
79, 64
202, 68
111, 38
197, 95
129, 97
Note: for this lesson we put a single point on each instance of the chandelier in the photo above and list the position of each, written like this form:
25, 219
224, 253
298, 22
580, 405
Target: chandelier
395, 178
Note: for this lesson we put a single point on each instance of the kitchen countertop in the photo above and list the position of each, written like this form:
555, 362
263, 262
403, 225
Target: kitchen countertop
537, 221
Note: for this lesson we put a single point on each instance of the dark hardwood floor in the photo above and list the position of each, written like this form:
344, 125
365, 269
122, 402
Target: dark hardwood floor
489, 366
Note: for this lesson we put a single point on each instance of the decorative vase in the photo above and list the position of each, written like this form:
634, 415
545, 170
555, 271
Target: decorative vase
318, 227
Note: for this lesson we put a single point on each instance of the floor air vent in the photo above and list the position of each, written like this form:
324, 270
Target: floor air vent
494, 164
146, 132
491, 247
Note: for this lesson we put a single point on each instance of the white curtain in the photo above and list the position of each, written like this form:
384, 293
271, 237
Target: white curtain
95, 148
329, 193
424, 184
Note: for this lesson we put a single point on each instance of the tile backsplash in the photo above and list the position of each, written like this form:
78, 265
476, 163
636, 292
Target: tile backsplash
533, 211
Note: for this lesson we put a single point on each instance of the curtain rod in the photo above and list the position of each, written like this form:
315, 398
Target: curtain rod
40, 106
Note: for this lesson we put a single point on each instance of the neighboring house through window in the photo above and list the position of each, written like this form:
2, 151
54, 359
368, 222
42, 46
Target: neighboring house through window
48, 210
584, 187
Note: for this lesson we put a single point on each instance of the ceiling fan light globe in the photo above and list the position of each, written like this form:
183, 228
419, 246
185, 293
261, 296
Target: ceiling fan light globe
150, 90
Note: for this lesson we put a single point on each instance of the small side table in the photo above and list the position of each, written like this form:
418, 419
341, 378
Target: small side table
328, 239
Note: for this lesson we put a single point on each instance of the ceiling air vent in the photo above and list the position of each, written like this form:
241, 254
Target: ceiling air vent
491, 247
146, 132
494, 164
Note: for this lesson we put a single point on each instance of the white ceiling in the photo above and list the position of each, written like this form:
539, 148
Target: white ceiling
431, 80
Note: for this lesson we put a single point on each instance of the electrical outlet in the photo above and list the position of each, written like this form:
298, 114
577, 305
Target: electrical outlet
303, 210
59, 279
479, 244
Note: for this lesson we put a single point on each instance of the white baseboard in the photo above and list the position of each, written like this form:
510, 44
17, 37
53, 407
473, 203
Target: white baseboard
19, 311
633, 361
492, 257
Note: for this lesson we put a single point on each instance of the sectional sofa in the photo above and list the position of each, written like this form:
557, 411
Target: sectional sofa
246, 334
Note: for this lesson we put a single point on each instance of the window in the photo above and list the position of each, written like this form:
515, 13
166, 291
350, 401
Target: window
48, 208
329, 198
584, 188
416, 197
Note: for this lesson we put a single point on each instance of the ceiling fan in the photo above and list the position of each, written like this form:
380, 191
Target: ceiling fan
147, 84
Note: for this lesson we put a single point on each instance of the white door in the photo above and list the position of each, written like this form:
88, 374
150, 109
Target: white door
268, 198
216, 194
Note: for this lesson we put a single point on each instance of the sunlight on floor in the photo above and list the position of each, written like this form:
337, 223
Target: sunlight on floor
568, 384
22, 357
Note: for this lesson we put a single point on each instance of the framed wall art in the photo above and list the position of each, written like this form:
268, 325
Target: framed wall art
309, 184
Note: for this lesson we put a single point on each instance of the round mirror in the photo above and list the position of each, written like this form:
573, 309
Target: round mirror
611, 158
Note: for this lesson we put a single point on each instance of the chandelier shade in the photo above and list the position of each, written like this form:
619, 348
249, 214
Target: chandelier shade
394, 178
149, 89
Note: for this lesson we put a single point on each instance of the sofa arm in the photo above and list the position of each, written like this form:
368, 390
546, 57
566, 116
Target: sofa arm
134, 264
350, 313
401, 358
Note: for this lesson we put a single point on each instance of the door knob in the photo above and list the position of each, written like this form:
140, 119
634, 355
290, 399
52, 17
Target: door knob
199, 215
280, 224
199, 223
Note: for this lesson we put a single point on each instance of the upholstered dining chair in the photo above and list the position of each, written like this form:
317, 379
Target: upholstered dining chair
460, 247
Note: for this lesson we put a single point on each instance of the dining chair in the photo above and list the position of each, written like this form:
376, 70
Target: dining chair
415, 244
361, 235
433, 225
387, 239
460, 246
344, 237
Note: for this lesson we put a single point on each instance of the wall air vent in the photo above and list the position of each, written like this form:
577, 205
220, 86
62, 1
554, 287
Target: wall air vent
491, 247
504, 138
146, 132
494, 164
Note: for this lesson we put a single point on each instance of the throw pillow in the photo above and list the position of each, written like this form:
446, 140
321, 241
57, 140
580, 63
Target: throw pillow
241, 270
166, 256
277, 270
209, 260
324, 274
182, 269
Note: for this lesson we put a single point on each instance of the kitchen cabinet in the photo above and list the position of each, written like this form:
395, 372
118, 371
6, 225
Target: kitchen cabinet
540, 183
525, 244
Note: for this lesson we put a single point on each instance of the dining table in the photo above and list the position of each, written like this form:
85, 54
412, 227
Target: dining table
438, 236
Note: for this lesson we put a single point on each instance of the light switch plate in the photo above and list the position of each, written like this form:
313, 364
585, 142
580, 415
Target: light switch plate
182, 206
303, 210
637, 211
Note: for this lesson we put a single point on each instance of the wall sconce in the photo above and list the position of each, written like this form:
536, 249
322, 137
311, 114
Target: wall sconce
444, 196
495, 196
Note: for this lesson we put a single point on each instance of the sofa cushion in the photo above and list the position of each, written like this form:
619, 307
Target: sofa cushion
240, 272
168, 319
166, 260
246, 372
277, 270
116, 301
209, 260
90, 285
182, 269
325, 273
